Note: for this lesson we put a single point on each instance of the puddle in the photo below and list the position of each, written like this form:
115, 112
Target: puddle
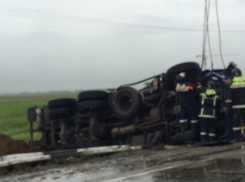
214, 171
229, 167
223, 170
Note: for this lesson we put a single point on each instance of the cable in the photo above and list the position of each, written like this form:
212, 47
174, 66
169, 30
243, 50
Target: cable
210, 53
27, 13
220, 48
209, 43
78, 20
21, 11
204, 36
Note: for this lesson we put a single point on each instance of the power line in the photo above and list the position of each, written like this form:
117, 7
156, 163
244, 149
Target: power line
220, 48
206, 15
79, 19
36, 14
209, 44
206, 37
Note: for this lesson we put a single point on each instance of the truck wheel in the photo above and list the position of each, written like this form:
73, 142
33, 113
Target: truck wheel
125, 103
61, 113
167, 109
191, 69
92, 95
62, 102
183, 67
92, 105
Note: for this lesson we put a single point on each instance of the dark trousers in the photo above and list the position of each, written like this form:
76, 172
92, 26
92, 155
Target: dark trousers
208, 129
228, 117
188, 112
238, 123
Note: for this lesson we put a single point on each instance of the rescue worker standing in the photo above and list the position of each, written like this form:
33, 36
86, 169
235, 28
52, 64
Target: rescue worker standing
186, 93
209, 104
230, 68
236, 99
228, 112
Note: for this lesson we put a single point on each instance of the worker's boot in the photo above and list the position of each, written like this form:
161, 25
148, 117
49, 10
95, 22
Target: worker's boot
212, 137
195, 125
183, 127
237, 136
204, 138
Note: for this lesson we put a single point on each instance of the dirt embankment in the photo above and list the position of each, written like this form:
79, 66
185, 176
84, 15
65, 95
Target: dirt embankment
11, 146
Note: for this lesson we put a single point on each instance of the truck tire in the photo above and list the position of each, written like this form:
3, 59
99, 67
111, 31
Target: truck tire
62, 102
167, 109
62, 113
92, 95
92, 105
183, 67
126, 103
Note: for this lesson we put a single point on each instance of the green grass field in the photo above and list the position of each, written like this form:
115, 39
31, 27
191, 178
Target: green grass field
13, 113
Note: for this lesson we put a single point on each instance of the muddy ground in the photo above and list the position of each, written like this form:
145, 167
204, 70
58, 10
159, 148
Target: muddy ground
10, 146
135, 165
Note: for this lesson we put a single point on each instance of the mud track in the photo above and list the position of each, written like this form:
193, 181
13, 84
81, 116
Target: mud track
96, 168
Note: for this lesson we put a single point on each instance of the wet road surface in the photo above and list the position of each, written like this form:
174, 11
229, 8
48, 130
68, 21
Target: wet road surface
184, 163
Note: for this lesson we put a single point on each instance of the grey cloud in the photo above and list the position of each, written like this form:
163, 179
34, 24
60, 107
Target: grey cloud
43, 55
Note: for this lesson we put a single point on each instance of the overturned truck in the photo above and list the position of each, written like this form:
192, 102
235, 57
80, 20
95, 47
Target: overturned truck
125, 115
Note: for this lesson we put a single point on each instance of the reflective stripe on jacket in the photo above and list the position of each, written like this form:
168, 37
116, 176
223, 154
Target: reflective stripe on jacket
237, 93
186, 94
209, 103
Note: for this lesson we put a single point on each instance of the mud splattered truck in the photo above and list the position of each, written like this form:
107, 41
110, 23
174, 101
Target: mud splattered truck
125, 115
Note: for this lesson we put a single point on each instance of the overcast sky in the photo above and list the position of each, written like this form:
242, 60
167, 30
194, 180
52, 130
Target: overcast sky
53, 45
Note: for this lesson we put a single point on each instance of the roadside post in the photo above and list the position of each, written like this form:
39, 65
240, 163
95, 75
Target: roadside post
32, 116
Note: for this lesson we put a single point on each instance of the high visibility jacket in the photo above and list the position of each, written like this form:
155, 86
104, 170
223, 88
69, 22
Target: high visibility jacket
186, 93
237, 93
209, 104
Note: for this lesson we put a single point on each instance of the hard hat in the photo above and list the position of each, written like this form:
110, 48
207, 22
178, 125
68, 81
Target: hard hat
214, 78
182, 74
230, 67
232, 64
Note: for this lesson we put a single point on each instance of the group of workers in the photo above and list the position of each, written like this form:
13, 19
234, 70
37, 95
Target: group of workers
215, 99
